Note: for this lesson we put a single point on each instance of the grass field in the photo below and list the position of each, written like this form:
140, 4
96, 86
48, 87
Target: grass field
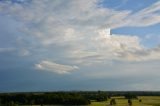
121, 101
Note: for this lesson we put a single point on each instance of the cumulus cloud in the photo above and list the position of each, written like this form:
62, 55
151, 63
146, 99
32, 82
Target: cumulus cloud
114, 47
54, 67
126, 48
117, 42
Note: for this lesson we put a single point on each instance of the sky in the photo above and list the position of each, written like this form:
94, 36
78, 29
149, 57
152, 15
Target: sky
55, 45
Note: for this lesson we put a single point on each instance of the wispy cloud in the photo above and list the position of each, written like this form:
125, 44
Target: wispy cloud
54, 67
145, 17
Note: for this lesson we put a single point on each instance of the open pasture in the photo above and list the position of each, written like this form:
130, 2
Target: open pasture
121, 101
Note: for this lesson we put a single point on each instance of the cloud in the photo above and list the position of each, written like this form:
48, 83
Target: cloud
145, 17
64, 36
91, 15
109, 42
106, 47
54, 67
139, 70
73, 29
122, 47
24, 52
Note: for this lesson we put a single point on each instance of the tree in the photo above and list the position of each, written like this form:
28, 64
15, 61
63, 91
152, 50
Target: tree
130, 96
140, 100
101, 97
112, 102
130, 102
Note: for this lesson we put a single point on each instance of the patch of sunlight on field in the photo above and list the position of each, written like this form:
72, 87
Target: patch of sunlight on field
121, 101
94, 103
151, 100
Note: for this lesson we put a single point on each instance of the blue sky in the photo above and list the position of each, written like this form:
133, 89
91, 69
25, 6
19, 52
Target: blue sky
51, 45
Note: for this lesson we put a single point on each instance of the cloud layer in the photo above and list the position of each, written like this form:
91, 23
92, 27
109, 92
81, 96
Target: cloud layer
81, 30
63, 36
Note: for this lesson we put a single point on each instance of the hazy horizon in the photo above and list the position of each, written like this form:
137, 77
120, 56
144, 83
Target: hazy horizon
65, 45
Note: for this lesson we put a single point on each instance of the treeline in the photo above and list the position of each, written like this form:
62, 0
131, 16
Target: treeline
60, 98
50, 98
135, 93
67, 98
97, 96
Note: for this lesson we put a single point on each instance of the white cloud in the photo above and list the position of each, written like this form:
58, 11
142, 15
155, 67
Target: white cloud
54, 67
105, 47
73, 25
117, 42
81, 12
145, 17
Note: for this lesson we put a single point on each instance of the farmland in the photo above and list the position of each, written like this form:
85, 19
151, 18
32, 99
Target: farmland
121, 101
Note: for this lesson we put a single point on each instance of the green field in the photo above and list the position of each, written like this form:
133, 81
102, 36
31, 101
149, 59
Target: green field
121, 101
